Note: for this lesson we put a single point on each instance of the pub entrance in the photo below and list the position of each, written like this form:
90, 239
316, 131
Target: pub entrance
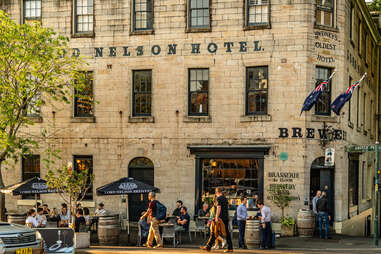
323, 178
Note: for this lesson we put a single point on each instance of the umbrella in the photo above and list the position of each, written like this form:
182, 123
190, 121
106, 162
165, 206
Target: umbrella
34, 186
125, 186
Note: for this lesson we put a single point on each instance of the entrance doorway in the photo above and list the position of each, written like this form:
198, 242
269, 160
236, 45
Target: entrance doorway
323, 178
140, 169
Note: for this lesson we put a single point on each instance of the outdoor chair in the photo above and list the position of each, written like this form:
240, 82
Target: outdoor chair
200, 227
169, 232
180, 230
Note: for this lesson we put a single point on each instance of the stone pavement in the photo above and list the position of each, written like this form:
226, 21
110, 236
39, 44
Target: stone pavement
338, 244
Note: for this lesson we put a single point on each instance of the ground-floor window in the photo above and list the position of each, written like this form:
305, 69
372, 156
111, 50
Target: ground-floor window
237, 176
353, 185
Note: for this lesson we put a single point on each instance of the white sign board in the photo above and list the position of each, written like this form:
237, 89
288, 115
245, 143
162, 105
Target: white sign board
329, 160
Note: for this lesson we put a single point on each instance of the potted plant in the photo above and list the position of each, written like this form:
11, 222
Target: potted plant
281, 198
287, 226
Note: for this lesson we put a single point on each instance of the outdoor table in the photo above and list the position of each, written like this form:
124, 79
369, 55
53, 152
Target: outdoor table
166, 224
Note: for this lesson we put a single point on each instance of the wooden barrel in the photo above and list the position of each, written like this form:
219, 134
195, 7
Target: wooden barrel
17, 218
305, 222
108, 229
252, 234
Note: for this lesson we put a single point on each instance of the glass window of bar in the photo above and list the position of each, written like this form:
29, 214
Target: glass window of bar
32, 10
256, 90
142, 93
84, 16
199, 14
258, 12
322, 106
198, 91
143, 18
30, 169
85, 162
84, 99
324, 12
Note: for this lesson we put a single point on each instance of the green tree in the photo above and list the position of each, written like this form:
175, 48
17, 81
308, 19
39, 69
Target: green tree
35, 69
72, 185
280, 197
375, 5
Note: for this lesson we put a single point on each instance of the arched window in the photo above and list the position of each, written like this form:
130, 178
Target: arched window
141, 169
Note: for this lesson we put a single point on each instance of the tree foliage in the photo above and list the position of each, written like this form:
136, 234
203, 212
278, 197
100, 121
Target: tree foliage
375, 5
72, 185
35, 69
280, 197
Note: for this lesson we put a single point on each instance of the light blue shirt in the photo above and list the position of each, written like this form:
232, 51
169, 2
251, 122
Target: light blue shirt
314, 201
241, 212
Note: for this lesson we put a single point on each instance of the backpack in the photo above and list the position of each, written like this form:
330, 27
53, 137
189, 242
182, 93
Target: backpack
161, 211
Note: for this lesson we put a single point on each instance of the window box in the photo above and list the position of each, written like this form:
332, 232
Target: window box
256, 118
141, 119
88, 119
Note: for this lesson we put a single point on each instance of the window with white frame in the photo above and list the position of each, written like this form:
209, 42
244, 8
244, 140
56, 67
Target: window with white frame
257, 12
142, 14
31, 10
84, 16
199, 14
325, 12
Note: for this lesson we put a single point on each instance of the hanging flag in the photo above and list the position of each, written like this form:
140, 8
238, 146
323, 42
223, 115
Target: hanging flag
313, 97
340, 101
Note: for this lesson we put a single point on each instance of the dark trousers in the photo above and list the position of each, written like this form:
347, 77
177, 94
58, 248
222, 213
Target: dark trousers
323, 221
212, 239
241, 229
266, 236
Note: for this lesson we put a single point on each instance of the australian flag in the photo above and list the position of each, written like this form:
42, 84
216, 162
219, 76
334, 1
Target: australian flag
313, 97
340, 101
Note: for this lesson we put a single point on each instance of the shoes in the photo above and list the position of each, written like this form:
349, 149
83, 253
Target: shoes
228, 251
215, 247
205, 248
158, 246
224, 244
147, 245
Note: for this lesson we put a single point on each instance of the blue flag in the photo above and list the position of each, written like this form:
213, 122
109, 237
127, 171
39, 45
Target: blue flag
313, 97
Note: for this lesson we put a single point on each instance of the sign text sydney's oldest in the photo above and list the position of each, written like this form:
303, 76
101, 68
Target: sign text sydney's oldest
173, 49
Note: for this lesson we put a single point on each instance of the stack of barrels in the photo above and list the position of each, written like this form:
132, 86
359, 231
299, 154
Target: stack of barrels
305, 222
252, 234
108, 229
16, 218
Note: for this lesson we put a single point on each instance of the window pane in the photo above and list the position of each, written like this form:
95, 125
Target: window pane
83, 101
85, 163
30, 169
322, 106
32, 9
142, 87
257, 12
257, 90
198, 91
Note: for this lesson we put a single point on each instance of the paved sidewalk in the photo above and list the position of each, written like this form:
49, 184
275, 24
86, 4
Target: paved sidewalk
338, 244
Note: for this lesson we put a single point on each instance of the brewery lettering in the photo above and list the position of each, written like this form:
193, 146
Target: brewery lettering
311, 133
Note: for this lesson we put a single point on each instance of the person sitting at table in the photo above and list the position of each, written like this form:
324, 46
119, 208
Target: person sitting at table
184, 220
80, 222
41, 218
31, 221
86, 215
46, 210
204, 211
100, 211
177, 212
64, 216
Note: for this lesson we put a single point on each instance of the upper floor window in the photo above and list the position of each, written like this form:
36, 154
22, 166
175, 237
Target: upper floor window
85, 162
30, 169
257, 12
351, 22
256, 90
322, 106
32, 10
198, 91
363, 43
142, 14
84, 16
199, 14
142, 93
324, 12
84, 98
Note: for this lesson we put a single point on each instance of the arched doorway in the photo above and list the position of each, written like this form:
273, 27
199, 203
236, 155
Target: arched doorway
323, 178
141, 169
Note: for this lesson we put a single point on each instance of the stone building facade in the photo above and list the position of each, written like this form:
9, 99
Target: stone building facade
194, 94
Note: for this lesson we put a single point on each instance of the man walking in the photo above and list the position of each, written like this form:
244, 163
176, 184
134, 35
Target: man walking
154, 228
266, 230
324, 218
223, 214
314, 201
241, 218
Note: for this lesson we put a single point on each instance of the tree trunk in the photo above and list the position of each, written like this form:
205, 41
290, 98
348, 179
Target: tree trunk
2, 195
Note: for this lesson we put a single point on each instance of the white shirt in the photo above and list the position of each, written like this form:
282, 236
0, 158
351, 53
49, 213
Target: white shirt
266, 214
41, 219
32, 220
100, 212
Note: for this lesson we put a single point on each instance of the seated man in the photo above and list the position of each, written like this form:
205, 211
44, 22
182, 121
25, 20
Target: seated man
184, 220
176, 212
80, 222
204, 211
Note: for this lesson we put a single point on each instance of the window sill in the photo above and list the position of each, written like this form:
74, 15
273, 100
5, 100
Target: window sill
328, 119
141, 119
365, 133
256, 118
197, 119
328, 28
198, 29
83, 35
142, 32
88, 119
256, 27
35, 119
351, 125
